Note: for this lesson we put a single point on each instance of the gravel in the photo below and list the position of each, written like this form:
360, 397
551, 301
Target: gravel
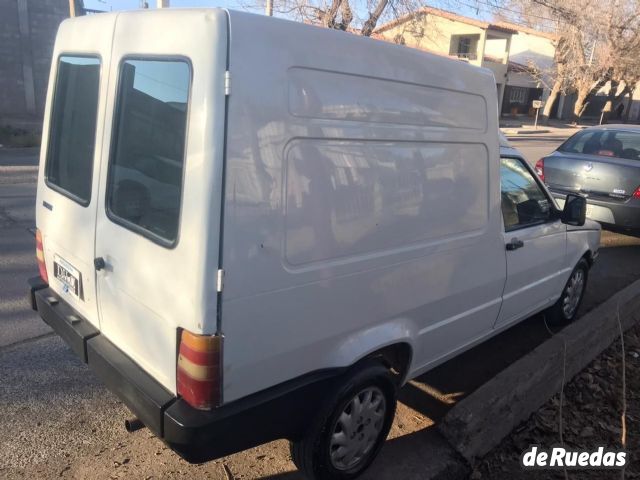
591, 417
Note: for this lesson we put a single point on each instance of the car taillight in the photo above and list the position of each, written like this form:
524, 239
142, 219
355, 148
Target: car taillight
540, 168
40, 256
199, 370
636, 194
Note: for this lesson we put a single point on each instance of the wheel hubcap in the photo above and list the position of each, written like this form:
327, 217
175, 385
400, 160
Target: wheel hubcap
357, 428
573, 294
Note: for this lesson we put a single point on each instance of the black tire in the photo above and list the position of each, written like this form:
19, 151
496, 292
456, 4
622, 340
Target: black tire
558, 314
312, 454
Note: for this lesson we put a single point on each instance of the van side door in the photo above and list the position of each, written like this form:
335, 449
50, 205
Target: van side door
535, 243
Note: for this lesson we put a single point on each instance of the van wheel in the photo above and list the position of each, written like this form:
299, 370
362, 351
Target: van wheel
565, 309
350, 430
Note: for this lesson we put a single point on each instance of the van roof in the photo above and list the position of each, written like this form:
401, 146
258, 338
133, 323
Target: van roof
236, 15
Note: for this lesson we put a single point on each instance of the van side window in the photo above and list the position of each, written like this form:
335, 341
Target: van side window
144, 187
72, 134
524, 203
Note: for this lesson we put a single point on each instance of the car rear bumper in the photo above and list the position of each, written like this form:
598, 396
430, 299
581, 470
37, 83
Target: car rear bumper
280, 412
622, 216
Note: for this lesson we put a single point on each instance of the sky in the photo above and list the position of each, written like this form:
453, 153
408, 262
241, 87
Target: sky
133, 4
463, 7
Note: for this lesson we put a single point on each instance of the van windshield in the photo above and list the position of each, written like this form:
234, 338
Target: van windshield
145, 178
72, 133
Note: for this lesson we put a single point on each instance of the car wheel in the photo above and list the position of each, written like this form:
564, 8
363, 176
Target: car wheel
566, 308
350, 430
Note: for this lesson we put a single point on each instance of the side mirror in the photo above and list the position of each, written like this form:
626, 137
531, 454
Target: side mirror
575, 210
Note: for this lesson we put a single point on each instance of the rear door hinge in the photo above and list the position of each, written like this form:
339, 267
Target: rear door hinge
227, 82
219, 280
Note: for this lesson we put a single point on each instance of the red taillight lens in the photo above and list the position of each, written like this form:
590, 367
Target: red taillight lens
636, 194
199, 371
540, 168
40, 256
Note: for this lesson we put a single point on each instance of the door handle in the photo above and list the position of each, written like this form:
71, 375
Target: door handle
99, 263
515, 244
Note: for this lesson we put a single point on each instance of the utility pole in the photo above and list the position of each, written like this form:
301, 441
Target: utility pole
162, 3
72, 8
269, 8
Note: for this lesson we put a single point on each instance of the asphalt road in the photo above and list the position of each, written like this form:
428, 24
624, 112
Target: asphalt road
536, 146
59, 421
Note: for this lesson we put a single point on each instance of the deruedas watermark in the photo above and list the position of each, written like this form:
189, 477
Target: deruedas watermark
536, 457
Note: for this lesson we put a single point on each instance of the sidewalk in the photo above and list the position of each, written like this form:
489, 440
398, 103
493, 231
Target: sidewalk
524, 126
22, 156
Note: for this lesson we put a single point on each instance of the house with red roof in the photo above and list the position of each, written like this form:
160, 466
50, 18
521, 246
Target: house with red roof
520, 57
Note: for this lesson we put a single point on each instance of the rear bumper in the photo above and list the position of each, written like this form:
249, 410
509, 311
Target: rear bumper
280, 412
620, 216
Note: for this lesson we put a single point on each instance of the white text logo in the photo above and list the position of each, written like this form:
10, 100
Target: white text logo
558, 457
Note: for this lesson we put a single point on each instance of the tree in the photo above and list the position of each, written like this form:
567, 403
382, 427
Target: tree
623, 49
553, 78
539, 18
598, 43
357, 16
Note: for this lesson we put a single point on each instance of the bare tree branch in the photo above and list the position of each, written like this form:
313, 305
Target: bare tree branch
598, 43
347, 15
330, 15
370, 24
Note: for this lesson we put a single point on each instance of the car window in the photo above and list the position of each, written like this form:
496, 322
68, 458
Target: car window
577, 142
605, 143
524, 203
629, 144
72, 135
145, 177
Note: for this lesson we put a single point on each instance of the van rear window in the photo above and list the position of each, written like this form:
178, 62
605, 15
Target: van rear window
147, 160
72, 134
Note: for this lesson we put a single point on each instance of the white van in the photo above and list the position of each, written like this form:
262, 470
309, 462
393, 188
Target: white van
254, 229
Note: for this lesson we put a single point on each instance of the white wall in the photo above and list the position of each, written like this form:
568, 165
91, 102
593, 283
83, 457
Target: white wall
526, 47
433, 33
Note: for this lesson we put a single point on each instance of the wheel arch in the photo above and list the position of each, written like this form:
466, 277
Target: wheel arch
396, 357
392, 343
589, 257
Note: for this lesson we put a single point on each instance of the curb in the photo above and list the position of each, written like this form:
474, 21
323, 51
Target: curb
13, 175
524, 131
478, 423
424, 455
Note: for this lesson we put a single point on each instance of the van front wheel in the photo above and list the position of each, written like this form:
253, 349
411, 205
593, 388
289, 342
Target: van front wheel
349, 431
566, 308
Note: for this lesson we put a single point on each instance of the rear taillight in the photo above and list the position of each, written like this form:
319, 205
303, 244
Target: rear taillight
540, 168
40, 256
636, 194
199, 372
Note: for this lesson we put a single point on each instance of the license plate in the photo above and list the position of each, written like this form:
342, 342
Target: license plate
69, 276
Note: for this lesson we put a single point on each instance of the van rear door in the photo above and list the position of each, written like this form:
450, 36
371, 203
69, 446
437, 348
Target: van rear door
67, 198
160, 188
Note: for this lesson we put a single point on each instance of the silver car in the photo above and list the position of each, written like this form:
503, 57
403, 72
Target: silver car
603, 164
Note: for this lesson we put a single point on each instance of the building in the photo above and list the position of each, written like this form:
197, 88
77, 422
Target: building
506, 49
524, 84
27, 33
447, 33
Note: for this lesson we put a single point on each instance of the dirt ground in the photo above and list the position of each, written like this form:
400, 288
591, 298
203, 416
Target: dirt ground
59, 421
591, 417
